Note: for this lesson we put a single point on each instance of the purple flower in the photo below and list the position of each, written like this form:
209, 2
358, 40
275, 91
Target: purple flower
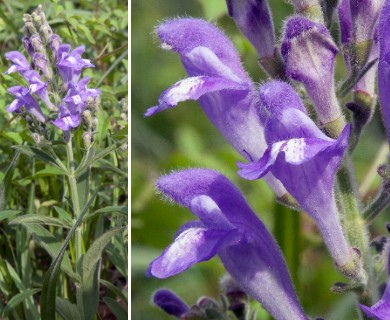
23, 98
345, 22
218, 80
254, 19
70, 64
227, 226
39, 87
40, 61
55, 42
28, 46
77, 95
305, 160
309, 53
170, 303
384, 65
381, 309
20, 63
364, 16
66, 120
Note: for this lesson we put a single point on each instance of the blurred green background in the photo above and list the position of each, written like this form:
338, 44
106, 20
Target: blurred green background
184, 138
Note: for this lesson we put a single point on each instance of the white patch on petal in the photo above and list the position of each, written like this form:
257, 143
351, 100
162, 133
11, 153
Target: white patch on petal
72, 60
295, 150
77, 99
183, 89
33, 87
166, 46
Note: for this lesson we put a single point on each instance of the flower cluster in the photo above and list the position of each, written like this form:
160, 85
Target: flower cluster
298, 154
53, 76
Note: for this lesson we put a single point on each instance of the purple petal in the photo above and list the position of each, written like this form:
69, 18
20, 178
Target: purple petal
67, 122
384, 65
19, 61
364, 15
259, 268
170, 303
183, 186
309, 53
380, 310
183, 35
345, 21
307, 168
254, 19
276, 96
191, 246
209, 213
192, 89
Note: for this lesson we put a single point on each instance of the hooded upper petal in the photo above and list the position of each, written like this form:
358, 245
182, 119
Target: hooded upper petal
19, 61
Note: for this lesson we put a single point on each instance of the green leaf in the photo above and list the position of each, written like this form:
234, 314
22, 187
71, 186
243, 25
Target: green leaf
38, 153
116, 308
115, 290
48, 296
100, 155
42, 220
17, 299
32, 309
5, 186
67, 310
47, 241
63, 214
90, 280
51, 171
110, 209
86, 32
5, 214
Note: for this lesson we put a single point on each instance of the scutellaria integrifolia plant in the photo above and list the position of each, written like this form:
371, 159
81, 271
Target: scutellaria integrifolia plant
294, 130
60, 111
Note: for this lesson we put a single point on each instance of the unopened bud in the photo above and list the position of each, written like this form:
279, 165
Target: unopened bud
238, 299
46, 33
90, 102
37, 20
195, 313
87, 117
95, 123
170, 303
29, 29
37, 138
55, 42
309, 53
97, 103
87, 139
28, 46
36, 43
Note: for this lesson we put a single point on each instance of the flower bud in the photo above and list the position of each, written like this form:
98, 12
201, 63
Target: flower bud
29, 29
36, 43
28, 46
95, 123
40, 61
254, 19
238, 299
87, 139
309, 53
87, 117
55, 42
170, 303
37, 138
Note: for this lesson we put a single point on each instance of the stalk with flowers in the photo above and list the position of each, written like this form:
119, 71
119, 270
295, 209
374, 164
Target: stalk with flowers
297, 131
84, 220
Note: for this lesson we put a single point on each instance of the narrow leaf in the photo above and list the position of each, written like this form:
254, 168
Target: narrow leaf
5, 214
110, 209
117, 309
115, 290
41, 219
5, 186
90, 282
67, 310
17, 299
48, 297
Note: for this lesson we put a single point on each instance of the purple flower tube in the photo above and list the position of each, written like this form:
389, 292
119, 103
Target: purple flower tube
227, 226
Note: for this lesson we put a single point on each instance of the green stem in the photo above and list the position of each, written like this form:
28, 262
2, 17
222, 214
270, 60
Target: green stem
75, 199
380, 203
